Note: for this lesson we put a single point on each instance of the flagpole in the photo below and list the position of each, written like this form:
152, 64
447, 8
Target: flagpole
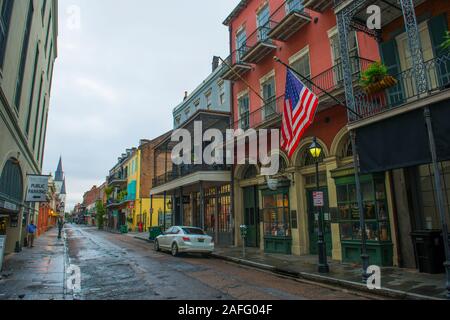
315, 85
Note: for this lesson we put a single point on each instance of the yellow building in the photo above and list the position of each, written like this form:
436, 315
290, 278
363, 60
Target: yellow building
139, 172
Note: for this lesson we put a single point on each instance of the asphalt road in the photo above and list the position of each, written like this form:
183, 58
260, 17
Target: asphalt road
121, 267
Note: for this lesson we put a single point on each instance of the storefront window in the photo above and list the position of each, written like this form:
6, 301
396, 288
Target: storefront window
276, 214
375, 210
430, 217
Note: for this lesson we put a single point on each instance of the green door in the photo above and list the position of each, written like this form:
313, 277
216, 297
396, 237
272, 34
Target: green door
313, 222
251, 214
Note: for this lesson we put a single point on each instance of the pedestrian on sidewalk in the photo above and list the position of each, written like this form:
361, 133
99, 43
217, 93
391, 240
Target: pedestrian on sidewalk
31, 229
60, 227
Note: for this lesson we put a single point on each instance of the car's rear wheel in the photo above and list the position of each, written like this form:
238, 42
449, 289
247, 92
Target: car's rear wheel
174, 250
156, 246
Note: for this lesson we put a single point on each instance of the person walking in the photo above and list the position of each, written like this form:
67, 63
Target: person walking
31, 229
60, 227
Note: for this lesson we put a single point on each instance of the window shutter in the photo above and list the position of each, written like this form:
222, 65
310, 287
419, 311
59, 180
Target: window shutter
389, 54
437, 27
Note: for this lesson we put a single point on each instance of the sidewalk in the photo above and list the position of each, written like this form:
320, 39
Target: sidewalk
36, 273
396, 283
139, 235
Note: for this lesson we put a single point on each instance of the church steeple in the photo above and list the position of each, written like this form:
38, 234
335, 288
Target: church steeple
59, 174
63, 188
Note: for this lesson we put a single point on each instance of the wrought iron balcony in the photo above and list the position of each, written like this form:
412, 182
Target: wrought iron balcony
318, 5
332, 80
265, 116
234, 66
117, 180
258, 45
185, 170
290, 17
390, 10
405, 90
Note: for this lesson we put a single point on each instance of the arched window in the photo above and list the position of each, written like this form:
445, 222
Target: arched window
11, 184
346, 149
283, 165
250, 172
306, 159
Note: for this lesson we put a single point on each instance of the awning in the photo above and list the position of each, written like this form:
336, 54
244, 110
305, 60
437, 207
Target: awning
402, 141
204, 176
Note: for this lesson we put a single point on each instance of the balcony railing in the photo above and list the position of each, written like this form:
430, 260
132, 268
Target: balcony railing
185, 170
116, 179
290, 17
333, 79
405, 91
268, 112
234, 66
258, 45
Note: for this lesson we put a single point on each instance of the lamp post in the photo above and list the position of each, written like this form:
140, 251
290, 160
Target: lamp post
316, 151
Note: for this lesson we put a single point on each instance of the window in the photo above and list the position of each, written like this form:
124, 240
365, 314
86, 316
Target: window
193, 231
294, 5
375, 209
44, 6
336, 54
208, 100
33, 84
48, 32
197, 104
178, 120
263, 19
268, 92
241, 45
49, 60
43, 128
6, 7
244, 112
23, 58
276, 214
36, 122
302, 66
430, 218
221, 93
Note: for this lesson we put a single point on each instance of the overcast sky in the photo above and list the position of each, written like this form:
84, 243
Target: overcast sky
119, 75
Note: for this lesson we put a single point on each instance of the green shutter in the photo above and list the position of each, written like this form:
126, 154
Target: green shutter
389, 55
437, 27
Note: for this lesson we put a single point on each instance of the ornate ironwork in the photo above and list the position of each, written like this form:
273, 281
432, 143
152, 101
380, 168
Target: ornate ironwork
412, 31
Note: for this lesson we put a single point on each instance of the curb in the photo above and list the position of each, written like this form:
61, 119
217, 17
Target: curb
146, 240
384, 292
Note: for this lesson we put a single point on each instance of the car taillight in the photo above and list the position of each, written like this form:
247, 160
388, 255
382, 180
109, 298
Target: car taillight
186, 239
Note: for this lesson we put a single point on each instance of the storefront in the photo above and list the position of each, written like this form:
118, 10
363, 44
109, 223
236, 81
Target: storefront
276, 219
378, 234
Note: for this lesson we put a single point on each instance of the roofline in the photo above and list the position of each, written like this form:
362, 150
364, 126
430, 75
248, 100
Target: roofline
241, 5
208, 80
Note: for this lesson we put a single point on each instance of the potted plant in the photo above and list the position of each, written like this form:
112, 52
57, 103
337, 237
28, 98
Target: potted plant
446, 44
376, 78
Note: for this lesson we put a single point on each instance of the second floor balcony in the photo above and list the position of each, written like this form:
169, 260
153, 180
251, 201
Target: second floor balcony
318, 5
289, 18
234, 66
117, 180
258, 45
186, 170
404, 90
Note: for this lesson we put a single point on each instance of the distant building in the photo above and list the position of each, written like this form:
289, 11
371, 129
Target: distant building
28, 49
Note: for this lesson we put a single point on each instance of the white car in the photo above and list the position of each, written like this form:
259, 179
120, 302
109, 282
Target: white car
185, 240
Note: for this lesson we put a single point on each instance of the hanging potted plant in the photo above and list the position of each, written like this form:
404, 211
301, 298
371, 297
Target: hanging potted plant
376, 78
446, 44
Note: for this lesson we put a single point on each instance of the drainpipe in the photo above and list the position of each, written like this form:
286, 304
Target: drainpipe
232, 191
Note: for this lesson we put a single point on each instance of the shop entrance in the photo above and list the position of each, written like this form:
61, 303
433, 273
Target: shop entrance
251, 216
313, 222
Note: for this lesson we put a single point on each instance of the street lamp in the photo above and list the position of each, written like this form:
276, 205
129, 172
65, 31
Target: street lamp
316, 151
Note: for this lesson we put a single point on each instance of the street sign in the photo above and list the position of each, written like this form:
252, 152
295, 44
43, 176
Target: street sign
2, 250
37, 188
318, 199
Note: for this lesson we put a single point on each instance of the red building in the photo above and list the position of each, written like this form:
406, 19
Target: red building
306, 38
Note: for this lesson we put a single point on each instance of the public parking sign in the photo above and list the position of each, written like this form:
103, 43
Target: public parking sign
318, 199
37, 188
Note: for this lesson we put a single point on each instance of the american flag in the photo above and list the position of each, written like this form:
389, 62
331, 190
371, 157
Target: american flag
300, 106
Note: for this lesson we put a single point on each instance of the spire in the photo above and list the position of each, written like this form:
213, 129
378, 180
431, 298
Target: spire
63, 188
59, 174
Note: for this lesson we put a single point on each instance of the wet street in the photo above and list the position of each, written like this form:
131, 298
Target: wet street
121, 267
